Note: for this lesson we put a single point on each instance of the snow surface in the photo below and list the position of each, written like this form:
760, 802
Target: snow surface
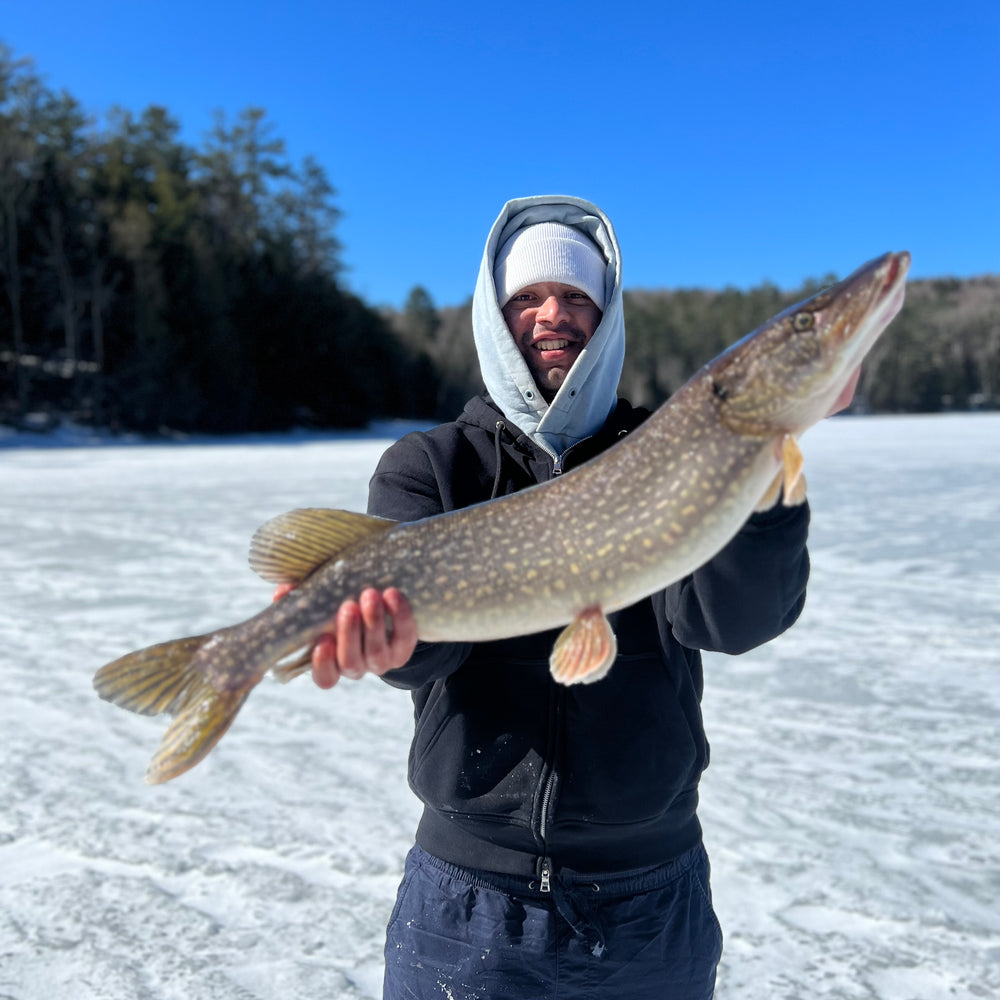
851, 810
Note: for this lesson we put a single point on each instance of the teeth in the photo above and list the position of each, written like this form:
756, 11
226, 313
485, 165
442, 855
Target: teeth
552, 345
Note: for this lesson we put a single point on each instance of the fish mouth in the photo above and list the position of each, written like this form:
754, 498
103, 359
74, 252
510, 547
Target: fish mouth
892, 272
896, 267
870, 297
882, 284
893, 283
858, 309
893, 286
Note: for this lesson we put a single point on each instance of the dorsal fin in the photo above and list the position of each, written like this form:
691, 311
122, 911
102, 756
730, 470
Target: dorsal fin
290, 546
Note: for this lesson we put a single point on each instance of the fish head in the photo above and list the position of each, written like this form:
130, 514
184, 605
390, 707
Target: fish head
787, 374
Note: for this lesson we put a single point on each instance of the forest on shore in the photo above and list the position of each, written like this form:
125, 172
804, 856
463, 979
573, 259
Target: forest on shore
149, 285
941, 353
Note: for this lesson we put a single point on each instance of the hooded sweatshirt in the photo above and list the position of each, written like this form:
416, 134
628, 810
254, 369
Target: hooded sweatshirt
589, 393
519, 774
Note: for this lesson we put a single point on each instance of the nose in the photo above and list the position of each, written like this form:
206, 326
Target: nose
550, 311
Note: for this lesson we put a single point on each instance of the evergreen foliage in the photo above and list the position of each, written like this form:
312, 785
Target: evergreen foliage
941, 353
148, 285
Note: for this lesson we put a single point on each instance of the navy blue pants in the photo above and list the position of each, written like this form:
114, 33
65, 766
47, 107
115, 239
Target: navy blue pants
460, 934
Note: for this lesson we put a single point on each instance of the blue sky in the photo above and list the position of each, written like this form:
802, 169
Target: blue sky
730, 143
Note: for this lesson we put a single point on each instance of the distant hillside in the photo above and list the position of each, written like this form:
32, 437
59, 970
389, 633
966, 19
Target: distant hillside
941, 353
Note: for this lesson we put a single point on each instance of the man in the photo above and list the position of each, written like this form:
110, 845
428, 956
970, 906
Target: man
559, 853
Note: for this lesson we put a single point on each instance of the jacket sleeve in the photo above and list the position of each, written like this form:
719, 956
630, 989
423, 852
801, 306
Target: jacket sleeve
404, 488
750, 592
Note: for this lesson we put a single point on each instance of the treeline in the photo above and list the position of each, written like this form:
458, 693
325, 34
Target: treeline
941, 353
147, 284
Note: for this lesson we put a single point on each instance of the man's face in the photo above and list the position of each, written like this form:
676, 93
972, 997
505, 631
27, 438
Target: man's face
551, 323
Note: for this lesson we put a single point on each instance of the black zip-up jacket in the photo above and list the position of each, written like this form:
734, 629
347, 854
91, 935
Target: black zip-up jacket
519, 774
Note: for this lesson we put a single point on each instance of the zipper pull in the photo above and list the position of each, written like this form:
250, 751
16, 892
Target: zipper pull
557, 467
546, 876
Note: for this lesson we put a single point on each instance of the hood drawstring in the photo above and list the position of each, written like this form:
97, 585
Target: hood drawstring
596, 372
498, 431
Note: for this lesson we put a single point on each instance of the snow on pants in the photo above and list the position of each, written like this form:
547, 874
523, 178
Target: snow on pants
461, 934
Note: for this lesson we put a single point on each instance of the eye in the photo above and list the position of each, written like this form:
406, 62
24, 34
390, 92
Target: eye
803, 321
721, 392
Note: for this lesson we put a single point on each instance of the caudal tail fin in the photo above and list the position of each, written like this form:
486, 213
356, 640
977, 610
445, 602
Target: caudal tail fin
164, 678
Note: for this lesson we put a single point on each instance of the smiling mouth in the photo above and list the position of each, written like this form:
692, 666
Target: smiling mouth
552, 345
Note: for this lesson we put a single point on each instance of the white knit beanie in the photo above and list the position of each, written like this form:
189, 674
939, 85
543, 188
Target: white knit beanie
549, 251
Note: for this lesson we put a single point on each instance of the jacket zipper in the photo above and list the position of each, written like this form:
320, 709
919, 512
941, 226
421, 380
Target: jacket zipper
544, 863
545, 883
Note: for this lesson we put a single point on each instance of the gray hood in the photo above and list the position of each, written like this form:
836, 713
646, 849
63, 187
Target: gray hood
590, 390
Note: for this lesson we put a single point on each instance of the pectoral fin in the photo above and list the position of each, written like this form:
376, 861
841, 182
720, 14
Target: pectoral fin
792, 458
290, 546
789, 485
585, 649
771, 495
798, 493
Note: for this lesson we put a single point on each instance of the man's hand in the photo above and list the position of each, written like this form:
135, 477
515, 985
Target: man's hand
373, 634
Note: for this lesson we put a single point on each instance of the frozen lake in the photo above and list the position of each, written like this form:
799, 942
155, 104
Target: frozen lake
852, 809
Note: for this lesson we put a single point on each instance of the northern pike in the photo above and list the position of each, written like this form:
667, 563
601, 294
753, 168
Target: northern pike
644, 514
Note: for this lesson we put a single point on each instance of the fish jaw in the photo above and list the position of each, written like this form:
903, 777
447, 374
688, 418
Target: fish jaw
787, 374
883, 282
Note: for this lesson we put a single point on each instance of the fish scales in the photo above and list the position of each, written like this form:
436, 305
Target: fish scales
645, 513
448, 604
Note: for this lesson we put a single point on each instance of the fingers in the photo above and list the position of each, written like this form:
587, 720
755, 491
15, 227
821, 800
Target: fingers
404, 627
349, 637
325, 670
375, 633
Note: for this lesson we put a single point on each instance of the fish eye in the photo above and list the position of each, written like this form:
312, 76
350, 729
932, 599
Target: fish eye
803, 321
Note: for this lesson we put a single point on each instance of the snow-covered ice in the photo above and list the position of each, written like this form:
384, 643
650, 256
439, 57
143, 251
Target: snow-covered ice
852, 809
